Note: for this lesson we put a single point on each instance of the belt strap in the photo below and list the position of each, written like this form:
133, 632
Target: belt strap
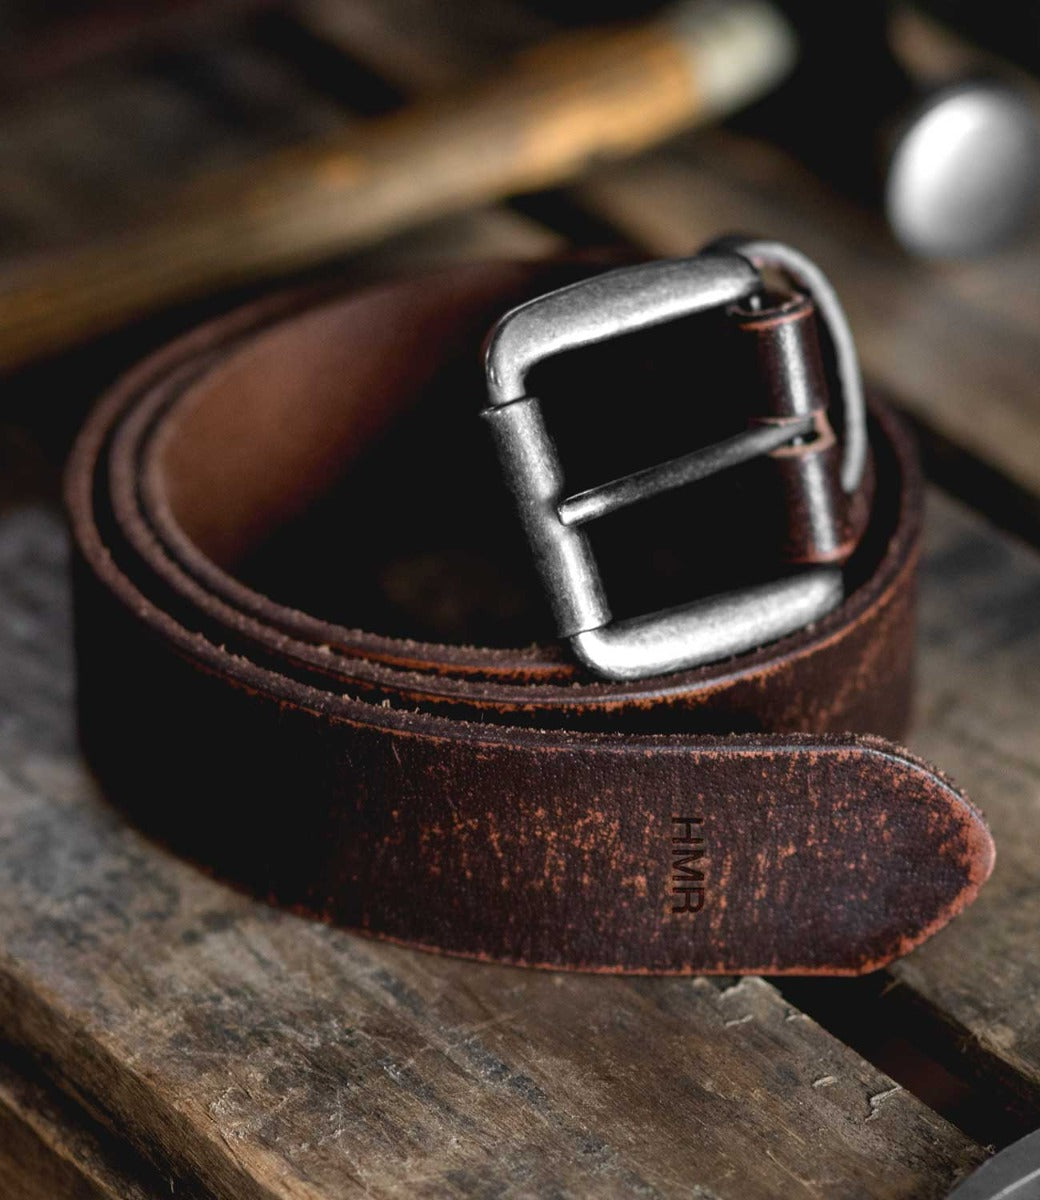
491, 802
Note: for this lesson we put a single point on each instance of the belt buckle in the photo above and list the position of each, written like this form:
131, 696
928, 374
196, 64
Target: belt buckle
596, 310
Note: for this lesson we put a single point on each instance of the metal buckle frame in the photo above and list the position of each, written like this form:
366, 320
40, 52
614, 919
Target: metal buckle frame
595, 310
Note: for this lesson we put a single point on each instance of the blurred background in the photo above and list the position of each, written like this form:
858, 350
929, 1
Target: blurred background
162, 162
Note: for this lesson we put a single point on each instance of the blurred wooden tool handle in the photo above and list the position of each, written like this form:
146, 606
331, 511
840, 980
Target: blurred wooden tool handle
538, 122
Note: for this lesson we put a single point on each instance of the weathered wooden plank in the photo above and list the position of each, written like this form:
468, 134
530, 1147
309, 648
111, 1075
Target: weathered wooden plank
116, 140
41, 41
484, 233
979, 715
254, 1054
49, 1152
424, 46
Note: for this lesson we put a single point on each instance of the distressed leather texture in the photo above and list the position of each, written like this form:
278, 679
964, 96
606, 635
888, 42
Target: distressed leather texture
312, 657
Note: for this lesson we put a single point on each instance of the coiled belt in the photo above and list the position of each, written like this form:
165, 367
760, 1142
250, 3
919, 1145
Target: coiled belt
253, 498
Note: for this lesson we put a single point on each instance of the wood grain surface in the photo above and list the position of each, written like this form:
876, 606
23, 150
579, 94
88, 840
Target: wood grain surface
51, 1150
118, 139
979, 715
254, 1054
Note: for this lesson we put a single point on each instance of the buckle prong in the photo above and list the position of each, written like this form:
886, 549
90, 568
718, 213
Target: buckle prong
678, 472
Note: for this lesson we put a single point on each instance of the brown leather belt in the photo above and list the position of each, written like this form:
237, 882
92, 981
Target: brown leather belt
251, 498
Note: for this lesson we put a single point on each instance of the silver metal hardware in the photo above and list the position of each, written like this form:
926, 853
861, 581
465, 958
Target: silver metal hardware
964, 172
600, 308
597, 310
677, 472
1013, 1174
709, 629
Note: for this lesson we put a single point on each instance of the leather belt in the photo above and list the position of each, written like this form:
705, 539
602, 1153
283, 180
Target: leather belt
251, 499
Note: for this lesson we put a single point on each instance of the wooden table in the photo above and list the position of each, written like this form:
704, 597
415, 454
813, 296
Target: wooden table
163, 1035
